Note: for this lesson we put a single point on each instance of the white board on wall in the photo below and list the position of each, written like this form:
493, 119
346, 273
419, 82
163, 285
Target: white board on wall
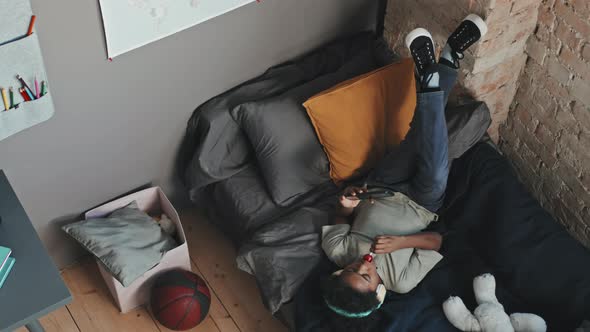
130, 24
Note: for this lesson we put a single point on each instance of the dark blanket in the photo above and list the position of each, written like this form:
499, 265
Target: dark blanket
491, 224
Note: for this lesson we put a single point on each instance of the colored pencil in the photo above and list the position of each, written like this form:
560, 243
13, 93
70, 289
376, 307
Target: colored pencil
25, 86
37, 91
11, 94
43, 88
5, 99
30, 93
31, 25
24, 94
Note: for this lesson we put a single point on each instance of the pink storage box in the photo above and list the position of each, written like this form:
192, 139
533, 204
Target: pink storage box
154, 202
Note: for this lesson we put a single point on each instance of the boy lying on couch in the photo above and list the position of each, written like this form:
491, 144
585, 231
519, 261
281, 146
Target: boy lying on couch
416, 174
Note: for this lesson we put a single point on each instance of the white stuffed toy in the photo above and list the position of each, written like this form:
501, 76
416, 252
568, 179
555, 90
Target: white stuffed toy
489, 315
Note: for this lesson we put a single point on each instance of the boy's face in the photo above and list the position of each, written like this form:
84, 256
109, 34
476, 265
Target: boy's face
361, 276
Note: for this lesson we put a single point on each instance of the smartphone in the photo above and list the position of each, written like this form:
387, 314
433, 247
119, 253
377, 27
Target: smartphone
373, 193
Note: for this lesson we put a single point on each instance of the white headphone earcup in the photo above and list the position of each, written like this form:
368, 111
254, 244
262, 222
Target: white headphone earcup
337, 273
381, 292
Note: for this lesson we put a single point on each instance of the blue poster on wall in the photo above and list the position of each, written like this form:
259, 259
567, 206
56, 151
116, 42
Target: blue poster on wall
130, 24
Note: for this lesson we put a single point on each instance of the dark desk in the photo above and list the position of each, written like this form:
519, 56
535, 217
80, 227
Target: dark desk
34, 287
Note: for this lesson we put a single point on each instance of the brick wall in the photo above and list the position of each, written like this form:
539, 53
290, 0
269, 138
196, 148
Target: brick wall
533, 71
490, 69
547, 134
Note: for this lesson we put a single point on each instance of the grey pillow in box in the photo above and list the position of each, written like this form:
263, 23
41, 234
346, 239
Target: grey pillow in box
290, 157
128, 241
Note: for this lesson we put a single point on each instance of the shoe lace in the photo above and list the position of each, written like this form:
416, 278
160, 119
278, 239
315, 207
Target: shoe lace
421, 54
462, 39
467, 34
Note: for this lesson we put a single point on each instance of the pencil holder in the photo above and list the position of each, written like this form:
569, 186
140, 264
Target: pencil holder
22, 57
27, 114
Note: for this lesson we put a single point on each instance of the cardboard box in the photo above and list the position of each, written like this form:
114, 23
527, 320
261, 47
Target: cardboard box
154, 202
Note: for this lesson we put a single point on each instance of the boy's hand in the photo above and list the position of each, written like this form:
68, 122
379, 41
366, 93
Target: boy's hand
347, 204
386, 244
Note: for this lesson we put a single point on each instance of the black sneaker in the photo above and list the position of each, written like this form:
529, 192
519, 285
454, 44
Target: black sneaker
419, 42
472, 29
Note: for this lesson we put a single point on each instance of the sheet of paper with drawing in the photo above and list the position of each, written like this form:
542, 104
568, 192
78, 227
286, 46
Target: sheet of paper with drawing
130, 24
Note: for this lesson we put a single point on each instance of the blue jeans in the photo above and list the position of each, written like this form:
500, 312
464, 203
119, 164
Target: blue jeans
419, 166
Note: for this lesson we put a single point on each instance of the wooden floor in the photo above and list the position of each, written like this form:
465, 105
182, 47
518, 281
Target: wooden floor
235, 303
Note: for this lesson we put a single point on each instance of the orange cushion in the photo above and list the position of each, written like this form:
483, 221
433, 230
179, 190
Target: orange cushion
357, 120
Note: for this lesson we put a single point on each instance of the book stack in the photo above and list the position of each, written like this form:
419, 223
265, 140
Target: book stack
6, 264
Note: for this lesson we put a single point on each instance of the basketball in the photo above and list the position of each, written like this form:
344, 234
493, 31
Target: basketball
180, 300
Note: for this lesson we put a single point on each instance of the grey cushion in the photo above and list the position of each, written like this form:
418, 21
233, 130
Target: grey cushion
128, 242
467, 124
289, 155
243, 202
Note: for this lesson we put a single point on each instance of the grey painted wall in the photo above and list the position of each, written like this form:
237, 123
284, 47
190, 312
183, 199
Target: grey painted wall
118, 125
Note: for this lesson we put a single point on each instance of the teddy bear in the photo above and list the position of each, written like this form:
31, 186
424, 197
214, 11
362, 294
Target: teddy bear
489, 316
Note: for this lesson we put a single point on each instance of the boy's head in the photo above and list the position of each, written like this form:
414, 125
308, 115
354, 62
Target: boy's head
355, 291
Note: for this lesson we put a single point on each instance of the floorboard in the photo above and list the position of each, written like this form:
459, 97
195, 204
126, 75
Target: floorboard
236, 305
93, 308
215, 256
208, 325
57, 321
217, 311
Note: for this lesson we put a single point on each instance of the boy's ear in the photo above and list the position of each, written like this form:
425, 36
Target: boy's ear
381, 292
337, 273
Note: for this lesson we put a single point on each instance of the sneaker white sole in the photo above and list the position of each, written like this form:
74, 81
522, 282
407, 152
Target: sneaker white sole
419, 32
479, 22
